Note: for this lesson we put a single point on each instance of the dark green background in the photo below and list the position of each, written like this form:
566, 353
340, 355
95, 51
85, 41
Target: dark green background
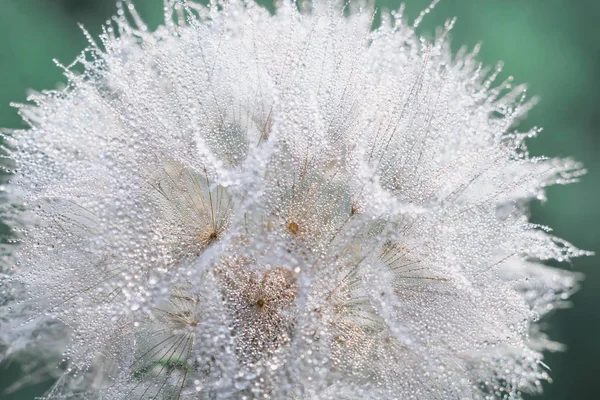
553, 45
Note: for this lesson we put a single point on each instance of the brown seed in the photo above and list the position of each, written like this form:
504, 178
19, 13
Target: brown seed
293, 227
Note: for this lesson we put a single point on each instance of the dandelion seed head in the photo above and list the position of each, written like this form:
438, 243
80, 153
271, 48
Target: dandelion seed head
296, 204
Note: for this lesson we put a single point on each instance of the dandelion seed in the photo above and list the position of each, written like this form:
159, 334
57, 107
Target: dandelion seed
254, 205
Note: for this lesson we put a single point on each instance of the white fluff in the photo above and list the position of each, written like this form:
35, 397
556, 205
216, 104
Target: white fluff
246, 205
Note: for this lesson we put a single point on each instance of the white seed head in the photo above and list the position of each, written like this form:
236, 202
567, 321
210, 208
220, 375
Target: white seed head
247, 204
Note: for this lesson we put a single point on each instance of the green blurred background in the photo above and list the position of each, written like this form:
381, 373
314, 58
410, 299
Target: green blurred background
552, 45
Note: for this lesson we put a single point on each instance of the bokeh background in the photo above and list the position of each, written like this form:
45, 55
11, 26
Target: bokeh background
552, 45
